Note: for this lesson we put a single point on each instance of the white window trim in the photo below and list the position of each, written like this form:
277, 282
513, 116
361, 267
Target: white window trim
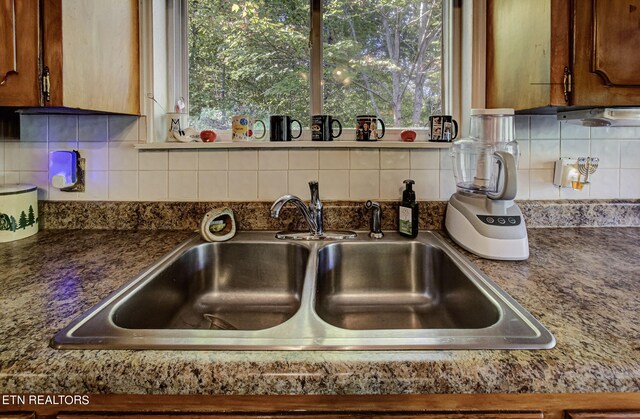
463, 32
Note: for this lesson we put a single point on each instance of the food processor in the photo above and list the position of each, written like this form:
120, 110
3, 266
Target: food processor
482, 216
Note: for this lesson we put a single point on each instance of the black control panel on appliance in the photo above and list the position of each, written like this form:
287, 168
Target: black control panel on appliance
500, 220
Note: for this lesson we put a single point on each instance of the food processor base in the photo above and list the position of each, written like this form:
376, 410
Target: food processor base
466, 223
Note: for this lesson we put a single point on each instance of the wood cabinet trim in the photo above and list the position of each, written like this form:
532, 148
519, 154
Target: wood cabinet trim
551, 406
52, 49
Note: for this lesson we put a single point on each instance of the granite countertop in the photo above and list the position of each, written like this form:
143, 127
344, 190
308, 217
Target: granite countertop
582, 284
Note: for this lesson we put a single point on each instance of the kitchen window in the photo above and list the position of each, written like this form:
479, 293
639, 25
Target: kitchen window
260, 58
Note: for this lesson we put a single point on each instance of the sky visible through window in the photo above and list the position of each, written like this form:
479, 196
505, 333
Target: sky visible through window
252, 57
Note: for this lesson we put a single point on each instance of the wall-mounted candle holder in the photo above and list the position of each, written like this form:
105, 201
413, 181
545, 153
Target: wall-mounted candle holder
574, 172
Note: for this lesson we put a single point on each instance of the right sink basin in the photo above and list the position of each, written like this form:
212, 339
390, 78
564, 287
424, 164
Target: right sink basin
398, 285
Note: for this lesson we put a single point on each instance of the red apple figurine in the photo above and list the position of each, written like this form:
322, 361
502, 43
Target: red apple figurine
208, 136
408, 135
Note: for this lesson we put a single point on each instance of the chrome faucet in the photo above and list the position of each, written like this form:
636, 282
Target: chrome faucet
376, 219
312, 213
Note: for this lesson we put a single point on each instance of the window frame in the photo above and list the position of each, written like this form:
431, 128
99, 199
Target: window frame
460, 24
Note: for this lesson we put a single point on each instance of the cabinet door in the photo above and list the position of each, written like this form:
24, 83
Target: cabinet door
606, 45
19, 50
91, 50
600, 414
527, 53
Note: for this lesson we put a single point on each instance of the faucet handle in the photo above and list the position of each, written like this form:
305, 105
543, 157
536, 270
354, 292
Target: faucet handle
315, 193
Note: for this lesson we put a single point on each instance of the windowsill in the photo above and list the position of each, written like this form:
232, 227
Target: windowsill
222, 145
390, 141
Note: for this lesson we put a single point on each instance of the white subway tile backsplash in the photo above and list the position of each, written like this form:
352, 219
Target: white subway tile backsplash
273, 159
395, 159
524, 148
334, 184
303, 160
608, 151
40, 179
272, 184
605, 184
12, 156
93, 128
34, 156
541, 184
573, 131
63, 128
575, 148
570, 193
364, 184
153, 160
96, 155
523, 185
183, 160
34, 128
615, 132
446, 161
521, 123
123, 128
96, 186
123, 185
1, 156
334, 159
391, 183
299, 183
122, 156
243, 185
447, 184
544, 127
364, 159
630, 183
427, 186
213, 160
154, 185
243, 160
424, 159
544, 154
629, 154
183, 185
59, 195
116, 171
212, 185
14, 177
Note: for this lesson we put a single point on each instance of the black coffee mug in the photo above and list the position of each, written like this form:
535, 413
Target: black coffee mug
443, 128
367, 128
280, 128
322, 128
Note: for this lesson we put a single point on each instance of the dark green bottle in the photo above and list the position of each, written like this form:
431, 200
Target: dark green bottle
408, 212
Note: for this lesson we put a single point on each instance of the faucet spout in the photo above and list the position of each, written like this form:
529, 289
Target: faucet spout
312, 213
298, 203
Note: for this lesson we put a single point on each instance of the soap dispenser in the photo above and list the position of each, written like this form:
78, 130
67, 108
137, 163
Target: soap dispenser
408, 211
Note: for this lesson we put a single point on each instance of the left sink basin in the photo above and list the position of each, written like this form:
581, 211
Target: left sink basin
229, 286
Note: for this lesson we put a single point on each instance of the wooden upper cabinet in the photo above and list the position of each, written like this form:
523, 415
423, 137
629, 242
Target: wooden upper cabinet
89, 51
562, 53
607, 61
19, 49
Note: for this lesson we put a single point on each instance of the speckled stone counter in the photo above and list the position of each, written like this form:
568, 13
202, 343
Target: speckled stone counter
582, 284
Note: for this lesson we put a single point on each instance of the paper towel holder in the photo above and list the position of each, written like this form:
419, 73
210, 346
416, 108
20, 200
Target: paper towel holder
66, 170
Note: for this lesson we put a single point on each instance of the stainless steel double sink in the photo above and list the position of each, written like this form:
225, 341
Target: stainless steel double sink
257, 292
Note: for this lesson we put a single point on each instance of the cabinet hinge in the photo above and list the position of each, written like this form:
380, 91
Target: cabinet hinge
46, 84
567, 83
